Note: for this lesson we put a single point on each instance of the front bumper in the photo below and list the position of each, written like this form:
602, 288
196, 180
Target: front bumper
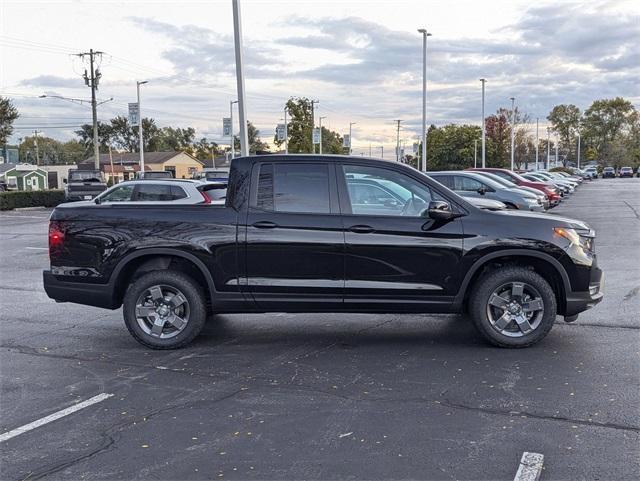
98, 295
580, 301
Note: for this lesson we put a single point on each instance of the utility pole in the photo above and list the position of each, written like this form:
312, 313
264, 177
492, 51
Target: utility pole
321, 133
425, 34
242, 104
483, 125
548, 149
313, 124
233, 140
286, 132
475, 153
537, 142
556, 161
92, 81
35, 142
369, 150
398, 140
513, 132
351, 137
139, 128
381, 151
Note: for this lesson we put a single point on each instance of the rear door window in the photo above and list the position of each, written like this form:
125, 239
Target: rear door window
296, 188
152, 193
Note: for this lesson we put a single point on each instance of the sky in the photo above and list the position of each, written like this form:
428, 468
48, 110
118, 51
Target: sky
361, 59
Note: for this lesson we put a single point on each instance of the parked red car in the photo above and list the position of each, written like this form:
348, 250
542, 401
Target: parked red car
554, 197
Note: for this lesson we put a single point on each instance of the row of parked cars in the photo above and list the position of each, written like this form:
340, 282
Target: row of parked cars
533, 191
488, 188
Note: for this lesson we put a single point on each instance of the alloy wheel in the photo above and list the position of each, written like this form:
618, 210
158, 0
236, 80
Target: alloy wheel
515, 309
162, 311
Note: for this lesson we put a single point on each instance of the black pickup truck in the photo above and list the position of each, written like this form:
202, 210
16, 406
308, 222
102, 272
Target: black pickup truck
311, 233
84, 185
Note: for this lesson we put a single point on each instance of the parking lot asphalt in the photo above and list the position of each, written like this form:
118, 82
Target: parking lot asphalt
316, 396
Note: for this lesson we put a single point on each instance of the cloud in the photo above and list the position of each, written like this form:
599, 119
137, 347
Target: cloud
52, 81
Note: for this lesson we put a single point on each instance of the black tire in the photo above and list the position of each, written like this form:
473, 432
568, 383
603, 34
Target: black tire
192, 309
536, 291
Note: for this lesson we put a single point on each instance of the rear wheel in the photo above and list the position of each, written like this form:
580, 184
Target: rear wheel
513, 307
164, 309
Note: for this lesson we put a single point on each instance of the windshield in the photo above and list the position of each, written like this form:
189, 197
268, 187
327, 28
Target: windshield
85, 176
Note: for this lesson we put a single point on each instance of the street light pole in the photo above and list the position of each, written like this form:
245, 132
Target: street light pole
242, 104
351, 124
286, 132
320, 118
141, 139
578, 150
233, 140
537, 141
313, 124
548, 148
475, 153
425, 34
483, 125
513, 132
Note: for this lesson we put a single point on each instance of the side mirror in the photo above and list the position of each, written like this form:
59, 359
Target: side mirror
439, 210
97, 200
64, 181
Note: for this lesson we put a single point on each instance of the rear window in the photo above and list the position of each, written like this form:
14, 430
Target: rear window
80, 176
294, 188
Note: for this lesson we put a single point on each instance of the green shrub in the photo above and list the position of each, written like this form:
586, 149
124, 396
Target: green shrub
30, 198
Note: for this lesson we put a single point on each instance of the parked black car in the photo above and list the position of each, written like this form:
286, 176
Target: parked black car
323, 234
608, 172
84, 185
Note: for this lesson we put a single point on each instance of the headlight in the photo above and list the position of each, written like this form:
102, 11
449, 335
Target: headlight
581, 243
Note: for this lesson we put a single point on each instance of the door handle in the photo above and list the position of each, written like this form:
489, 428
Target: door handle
361, 229
264, 224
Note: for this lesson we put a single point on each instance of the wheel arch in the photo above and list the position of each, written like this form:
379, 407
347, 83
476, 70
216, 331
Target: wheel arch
545, 265
152, 259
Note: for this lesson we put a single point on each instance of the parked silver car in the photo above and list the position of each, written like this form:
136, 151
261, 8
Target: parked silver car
472, 184
144, 192
544, 200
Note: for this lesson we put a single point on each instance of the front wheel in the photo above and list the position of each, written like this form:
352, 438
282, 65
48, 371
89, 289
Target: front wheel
513, 307
164, 309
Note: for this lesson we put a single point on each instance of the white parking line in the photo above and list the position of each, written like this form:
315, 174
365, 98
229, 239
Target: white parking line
12, 216
52, 417
38, 248
530, 467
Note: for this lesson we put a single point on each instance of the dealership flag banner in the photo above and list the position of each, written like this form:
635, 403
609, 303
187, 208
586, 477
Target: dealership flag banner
226, 127
346, 141
316, 135
133, 113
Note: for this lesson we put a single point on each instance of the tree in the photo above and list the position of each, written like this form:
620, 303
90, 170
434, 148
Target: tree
203, 149
451, 147
299, 126
497, 137
603, 121
565, 121
123, 135
51, 151
255, 143
8, 114
86, 136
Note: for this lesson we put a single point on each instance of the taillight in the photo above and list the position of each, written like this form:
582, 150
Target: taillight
207, 199
56, 237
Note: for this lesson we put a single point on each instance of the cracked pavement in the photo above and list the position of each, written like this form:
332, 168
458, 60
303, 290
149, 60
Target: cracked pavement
315, 396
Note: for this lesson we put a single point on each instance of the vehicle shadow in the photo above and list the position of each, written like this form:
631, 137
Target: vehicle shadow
343, 330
